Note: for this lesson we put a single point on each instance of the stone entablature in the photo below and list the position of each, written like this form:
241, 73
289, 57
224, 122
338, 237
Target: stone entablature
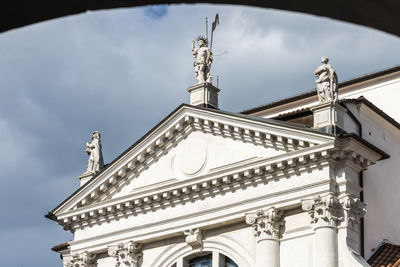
263, 169
266, 224
126, 254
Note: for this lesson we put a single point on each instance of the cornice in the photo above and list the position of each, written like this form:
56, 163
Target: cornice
218, 182
175, 129
176, 225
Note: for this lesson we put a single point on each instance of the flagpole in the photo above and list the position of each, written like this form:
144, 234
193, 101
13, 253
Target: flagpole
207, 29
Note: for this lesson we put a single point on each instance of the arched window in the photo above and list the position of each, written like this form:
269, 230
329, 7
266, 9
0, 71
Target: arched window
206, 259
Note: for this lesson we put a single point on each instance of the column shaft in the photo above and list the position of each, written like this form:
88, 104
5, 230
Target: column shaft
267, 253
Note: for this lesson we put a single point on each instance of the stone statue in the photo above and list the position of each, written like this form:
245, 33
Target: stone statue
204, 58
327, 82
93, 149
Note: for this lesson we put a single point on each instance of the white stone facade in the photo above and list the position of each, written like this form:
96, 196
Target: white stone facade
234, 190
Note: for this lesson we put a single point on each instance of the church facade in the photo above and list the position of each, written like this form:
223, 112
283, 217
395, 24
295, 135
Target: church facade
306, 181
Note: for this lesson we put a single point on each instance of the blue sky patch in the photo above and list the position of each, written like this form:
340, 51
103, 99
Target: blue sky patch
156, 12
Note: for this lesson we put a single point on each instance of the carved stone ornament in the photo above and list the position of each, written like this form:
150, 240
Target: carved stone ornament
126, 255
327, 82
323, 210
93, 149
353, 208
204, 58
266, 224
84, 259
194, 238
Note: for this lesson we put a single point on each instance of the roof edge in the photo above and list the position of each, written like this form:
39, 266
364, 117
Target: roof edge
383, 154
50, 215
314, 91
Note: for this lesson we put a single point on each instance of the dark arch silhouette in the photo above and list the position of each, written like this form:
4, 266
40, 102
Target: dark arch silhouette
378, 14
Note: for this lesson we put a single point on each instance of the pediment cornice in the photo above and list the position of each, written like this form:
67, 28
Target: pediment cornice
174, 128
94, 203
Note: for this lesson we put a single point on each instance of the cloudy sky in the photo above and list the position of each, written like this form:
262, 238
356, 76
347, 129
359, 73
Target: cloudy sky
121, 72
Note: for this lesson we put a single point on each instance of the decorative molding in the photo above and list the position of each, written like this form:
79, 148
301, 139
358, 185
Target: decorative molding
353, 208
84, 259
181, 128
266, 224
324, 210
264, 169
126, 255
194, 238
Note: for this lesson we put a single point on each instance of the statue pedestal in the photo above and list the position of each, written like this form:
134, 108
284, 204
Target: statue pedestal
204, 95
85, 177
329, 117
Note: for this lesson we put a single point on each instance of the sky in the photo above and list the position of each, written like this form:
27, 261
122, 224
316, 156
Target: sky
122, 71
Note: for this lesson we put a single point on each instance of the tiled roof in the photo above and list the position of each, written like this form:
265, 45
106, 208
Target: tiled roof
388, 255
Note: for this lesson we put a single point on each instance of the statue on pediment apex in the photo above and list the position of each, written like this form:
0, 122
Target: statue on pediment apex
204, 58
203, 54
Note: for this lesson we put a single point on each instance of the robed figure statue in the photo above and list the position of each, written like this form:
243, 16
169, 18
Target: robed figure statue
93, 149
327, 82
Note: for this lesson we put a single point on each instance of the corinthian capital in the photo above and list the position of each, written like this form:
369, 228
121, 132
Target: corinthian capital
127, 254
353, 208
266, 224
84, 259
323, 210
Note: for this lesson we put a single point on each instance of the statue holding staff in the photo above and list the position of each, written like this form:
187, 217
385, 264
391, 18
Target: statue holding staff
203, 55
327, 82
204, 58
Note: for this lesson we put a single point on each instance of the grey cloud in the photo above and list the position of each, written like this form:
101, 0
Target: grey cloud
121, 72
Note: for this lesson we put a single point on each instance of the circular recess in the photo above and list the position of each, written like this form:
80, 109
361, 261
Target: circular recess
192, 157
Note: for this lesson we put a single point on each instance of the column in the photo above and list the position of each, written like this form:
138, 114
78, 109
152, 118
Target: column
324, 212
267, 226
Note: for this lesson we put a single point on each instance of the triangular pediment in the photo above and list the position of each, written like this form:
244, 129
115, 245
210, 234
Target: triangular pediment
189, 143
197, 154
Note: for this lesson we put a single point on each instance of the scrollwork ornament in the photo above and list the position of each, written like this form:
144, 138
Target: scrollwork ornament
353, 208
323, 210
126, 255
194, 238
84, 259
266, 224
